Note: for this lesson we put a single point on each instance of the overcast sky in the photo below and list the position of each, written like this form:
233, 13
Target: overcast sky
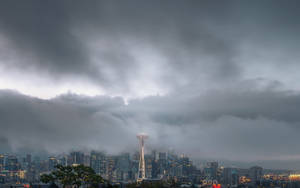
212, 79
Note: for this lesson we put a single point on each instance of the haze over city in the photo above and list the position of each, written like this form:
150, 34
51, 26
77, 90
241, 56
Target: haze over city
211, 79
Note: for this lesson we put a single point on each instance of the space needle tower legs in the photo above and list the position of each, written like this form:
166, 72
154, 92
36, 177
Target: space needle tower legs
142, 169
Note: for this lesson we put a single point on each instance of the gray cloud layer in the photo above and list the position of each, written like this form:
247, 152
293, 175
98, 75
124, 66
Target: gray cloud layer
229, 71
245, 125
197, 40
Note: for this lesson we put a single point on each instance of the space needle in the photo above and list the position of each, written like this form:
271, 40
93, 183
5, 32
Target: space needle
142, 169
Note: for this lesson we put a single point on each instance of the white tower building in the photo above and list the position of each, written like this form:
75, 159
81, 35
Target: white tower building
142, 168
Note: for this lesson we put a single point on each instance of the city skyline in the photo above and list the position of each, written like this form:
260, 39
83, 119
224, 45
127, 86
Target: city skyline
125, 168
213, 80
198, 162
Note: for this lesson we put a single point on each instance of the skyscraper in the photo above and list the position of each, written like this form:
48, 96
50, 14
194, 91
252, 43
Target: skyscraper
98, 162
12, 163
28, 158
122, 166
214, 169
77, 157
162, 163
255, 174
230, 177
1, 162
52, 163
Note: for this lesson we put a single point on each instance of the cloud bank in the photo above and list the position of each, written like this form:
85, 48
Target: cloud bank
211, 79
243, 126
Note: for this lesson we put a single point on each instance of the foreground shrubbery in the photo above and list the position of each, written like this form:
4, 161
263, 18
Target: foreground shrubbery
74, 176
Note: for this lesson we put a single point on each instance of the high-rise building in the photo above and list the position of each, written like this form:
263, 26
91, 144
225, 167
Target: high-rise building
64, 160
52, 162
162, 156
12, 163
155, 169
98, 162
148, 166
1, 162
230, 177
162, 163
123, 166
134, 168
86, 161
111, 173
213, 169
255, 174
77, 157
186, 165
154, 155
28, 159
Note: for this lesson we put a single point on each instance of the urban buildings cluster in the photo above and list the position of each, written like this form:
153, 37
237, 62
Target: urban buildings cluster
156, 166
124, 168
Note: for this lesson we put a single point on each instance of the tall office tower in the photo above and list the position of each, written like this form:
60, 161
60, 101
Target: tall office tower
52, 162
64, 160
77, 157
1, 162
162, 156
148, 166
98, 162
86, 161
12, 163
122, 166
28, 158
154, 155
155, 169
162, 163
230, 177
255, 173
142, 169
186, 165
111, 168
214, 169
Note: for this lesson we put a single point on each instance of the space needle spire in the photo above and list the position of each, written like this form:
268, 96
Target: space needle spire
142, 169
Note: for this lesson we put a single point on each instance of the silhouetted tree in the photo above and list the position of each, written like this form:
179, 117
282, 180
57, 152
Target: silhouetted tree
73, 176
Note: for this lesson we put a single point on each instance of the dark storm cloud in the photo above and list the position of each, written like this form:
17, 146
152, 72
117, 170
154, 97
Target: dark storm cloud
54, 36
212, 58
58, 124
43, 27
219, 124
198, 41
280, 106
42, 33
